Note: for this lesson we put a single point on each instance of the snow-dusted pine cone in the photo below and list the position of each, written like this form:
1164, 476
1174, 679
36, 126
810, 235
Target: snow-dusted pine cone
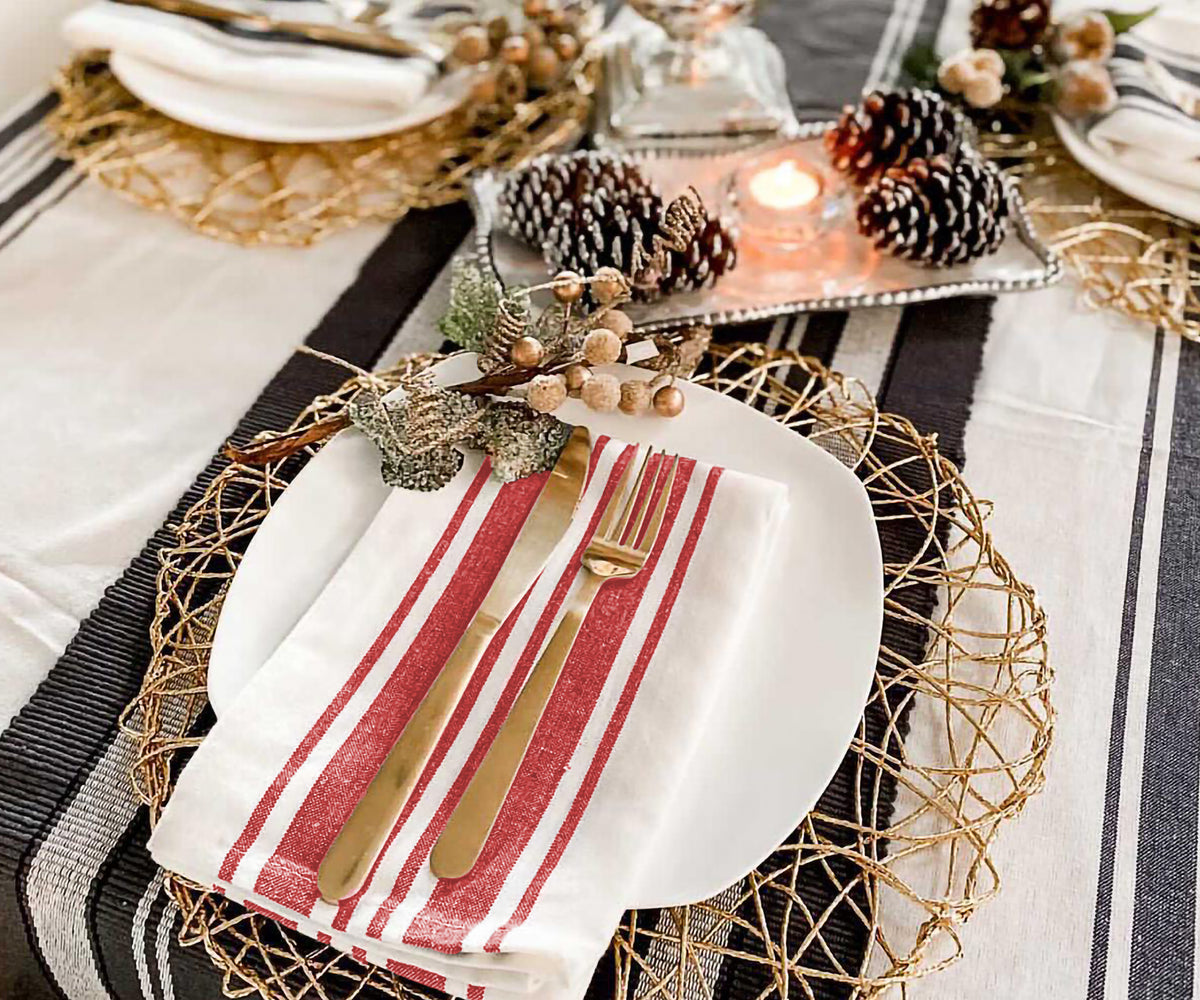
1009, 24
888, 129
590, 210
937, 212
565, 189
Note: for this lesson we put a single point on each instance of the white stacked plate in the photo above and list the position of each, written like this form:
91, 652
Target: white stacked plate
796, 698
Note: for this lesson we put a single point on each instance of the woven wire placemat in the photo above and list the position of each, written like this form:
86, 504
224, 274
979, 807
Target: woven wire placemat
297, 193
1128, 257
873, 888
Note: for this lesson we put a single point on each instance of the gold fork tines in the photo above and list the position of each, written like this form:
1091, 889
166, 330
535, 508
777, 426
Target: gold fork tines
622, 551
619, 548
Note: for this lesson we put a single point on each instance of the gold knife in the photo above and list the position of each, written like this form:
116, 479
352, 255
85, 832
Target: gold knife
349, 858
606, 558
357, 36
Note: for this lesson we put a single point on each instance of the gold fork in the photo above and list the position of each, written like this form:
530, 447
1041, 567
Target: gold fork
618, 550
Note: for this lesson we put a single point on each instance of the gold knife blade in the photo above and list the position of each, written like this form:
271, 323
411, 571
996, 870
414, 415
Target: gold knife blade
349, 858
366, 37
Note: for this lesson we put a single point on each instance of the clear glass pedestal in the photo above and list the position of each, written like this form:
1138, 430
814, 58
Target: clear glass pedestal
727, 82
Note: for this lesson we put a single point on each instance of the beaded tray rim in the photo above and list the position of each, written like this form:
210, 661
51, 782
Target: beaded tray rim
1052, 270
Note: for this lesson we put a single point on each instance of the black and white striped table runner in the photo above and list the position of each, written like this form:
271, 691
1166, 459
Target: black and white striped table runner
80, 906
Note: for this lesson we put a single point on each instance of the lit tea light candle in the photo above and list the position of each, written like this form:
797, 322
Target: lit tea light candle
786, 205
784, 187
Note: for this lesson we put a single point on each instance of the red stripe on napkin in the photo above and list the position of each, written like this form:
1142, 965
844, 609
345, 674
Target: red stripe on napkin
420, 852
617, 722
290, 876
261, 811
462, 710
459, 717
457, 905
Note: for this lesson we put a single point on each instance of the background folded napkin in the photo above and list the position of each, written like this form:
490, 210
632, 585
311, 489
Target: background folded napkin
262, 799
1154, 128
231, 57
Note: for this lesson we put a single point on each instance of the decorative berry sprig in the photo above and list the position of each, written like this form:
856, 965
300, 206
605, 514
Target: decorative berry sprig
551, 357
531, 363
1022, 57
534, 55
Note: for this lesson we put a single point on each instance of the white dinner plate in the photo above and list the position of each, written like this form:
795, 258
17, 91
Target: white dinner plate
278, 117
795, 698
1175, 199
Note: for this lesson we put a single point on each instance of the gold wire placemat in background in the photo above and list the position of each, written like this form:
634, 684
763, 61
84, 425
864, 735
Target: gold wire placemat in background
1136, 260
958, 729
297, 193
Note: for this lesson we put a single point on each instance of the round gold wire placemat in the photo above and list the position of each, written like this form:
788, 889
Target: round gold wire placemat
952, 742
297, 193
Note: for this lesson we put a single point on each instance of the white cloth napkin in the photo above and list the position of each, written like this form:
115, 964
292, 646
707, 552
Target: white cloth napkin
232, 58
269, 788
1154, 128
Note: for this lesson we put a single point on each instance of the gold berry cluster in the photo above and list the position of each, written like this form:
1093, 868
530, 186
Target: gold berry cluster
603, 343
538, 51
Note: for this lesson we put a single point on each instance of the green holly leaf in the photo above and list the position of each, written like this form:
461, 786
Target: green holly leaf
1122, 21
1025, 73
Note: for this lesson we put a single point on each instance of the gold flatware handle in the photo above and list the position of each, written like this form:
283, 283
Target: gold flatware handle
366, 38
348, 861
459, 846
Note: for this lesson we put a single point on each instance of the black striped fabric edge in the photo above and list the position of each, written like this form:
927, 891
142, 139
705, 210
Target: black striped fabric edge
1163, 938
821, 335
38, 184
1098, 966
40, 181
105, 660
28, 118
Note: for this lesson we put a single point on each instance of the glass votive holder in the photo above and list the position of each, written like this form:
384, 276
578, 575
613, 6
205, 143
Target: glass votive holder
784, 202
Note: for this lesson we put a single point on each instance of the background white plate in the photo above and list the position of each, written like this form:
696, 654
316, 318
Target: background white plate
1173, 198
278, 117
792, 704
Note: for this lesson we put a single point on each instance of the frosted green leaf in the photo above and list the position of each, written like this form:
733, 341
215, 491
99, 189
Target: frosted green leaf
386, 423
474, 297
520, 442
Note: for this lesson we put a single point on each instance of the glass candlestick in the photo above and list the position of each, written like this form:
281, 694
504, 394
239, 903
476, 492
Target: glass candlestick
687, 68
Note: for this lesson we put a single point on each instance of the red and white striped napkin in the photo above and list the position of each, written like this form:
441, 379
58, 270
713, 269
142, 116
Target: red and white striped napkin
269, 788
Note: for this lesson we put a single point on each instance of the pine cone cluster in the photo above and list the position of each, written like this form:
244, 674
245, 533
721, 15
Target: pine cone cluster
590, 210
1009, 24
937, 212
888, 129
532, 198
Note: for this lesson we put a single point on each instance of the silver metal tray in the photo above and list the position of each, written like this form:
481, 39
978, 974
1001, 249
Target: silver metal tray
847, 272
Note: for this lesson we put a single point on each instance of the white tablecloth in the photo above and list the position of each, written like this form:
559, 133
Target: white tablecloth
1079, 431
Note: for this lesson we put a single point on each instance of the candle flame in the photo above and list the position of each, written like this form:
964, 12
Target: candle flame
784, 186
